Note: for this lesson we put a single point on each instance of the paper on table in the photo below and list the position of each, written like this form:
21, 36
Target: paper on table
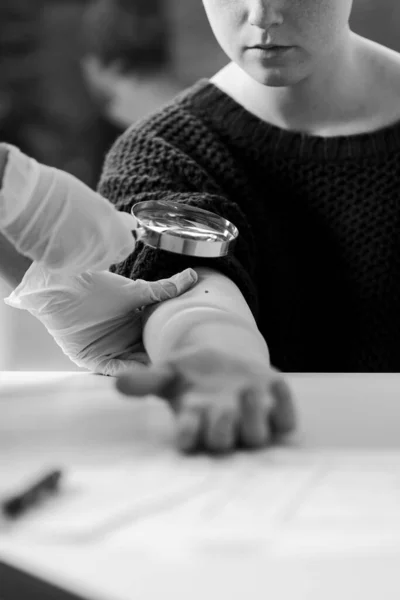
287, 499
171, 491
353, 506
93, 502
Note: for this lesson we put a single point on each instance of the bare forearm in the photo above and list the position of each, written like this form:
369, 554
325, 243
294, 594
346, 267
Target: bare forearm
213, 314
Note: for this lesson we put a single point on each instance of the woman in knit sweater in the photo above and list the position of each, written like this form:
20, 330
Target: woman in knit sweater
299, 146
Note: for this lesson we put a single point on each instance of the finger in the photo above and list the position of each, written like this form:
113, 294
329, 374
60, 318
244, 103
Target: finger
189, 428
220, 425
253, 426
283, 414
165, 289
141, 381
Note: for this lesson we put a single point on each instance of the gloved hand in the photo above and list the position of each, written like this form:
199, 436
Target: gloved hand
95, 317
58, 221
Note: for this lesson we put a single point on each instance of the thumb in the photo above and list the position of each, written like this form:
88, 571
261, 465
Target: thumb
139, 380
165, 289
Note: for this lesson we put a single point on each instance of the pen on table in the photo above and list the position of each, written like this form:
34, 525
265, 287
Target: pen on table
17, 504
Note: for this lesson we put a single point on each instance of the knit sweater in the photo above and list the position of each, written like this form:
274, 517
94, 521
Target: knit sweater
318, 255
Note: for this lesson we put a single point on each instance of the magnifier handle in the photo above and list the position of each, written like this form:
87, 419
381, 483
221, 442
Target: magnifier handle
138, 230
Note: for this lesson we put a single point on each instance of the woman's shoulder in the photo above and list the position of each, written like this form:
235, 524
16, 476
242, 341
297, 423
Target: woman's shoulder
384, 80
190, 125
385, 61
185, 130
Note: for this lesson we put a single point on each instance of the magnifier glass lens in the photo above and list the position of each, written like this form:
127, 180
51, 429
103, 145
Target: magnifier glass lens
184, 229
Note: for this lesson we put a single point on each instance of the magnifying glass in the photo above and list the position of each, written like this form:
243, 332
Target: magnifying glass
183, 229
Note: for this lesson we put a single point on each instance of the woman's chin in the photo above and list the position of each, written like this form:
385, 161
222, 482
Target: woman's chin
275, 75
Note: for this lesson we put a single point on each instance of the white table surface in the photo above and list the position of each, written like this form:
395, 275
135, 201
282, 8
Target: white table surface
80, 421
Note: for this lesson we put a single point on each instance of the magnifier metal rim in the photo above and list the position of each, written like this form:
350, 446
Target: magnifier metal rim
180, 244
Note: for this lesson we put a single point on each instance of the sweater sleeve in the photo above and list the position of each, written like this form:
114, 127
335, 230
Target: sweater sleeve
142, 166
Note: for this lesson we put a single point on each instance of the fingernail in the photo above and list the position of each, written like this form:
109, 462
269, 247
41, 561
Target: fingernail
181, 281
191, 275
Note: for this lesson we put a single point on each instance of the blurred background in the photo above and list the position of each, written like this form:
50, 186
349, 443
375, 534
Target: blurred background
75, 73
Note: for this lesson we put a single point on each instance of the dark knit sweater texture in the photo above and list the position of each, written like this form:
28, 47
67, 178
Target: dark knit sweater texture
318, 256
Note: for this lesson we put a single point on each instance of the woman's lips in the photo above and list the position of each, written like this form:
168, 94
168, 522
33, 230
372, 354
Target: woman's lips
270, 52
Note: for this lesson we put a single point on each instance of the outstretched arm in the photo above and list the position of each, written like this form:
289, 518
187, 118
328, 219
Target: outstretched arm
211, 363
209, 359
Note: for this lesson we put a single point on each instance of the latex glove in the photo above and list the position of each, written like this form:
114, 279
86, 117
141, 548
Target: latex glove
221, 400
55, 219
95, 317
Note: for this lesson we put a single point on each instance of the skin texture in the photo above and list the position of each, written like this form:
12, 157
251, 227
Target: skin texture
317, 29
